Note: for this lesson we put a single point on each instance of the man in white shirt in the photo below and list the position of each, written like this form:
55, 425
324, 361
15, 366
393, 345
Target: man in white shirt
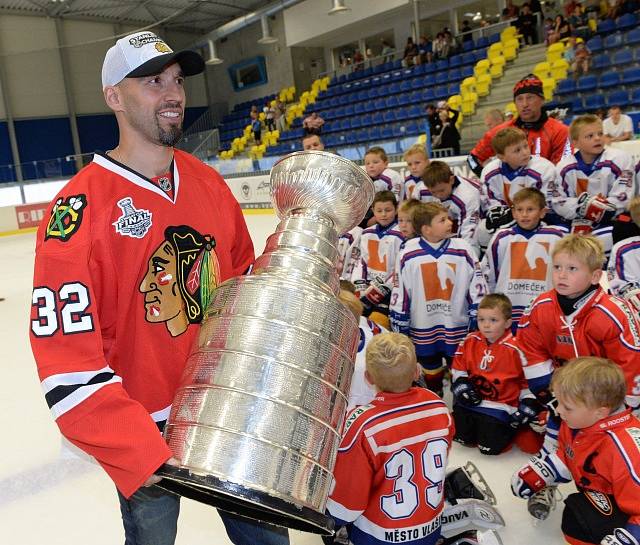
618, 126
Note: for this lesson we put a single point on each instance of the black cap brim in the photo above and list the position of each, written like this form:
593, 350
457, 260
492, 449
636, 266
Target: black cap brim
191, 63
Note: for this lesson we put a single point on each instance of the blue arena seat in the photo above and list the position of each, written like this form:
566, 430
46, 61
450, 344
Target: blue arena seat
633, 36
626, 21
454, 75
377, 118
601, 61
483, 41
415, 111
428, 94
613, 41
577, 105
631, 75
494, 38
623, 57
468, 45
619, 98
453, 89
386, 133
606, 26
566, 86
467, 71
441, 77
404, 99
468, 58
455, 61
594, 102
442, 65
635, 96
595, 44
480, 54
587, 83
609, 79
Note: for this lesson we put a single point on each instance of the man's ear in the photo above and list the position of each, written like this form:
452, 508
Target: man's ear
113, 98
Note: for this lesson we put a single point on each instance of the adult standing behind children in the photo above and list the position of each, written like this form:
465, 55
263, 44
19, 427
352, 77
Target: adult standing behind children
618, 127
126, 262
547, 137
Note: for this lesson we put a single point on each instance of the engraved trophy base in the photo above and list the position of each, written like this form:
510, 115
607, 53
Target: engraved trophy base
243, 502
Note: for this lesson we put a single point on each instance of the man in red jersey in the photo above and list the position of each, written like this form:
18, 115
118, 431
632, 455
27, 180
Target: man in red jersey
126, 261
547, 137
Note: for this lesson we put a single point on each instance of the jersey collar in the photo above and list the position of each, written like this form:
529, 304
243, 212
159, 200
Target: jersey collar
136, 178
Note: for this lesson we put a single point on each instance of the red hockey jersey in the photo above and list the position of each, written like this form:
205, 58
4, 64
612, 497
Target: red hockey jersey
123, 271
496, 371
605, 459
390, 469
602, 326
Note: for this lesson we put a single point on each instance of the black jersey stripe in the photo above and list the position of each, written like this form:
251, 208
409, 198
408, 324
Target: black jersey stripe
58, 393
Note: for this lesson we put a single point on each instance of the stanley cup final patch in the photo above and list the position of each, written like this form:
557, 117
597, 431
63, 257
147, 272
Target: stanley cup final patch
134, 222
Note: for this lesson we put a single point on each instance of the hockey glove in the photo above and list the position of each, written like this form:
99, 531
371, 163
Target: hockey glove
528, 409
474, 164
376, 294
620, 536
465, 393
631, 294
532, 477
594, 208
498, 217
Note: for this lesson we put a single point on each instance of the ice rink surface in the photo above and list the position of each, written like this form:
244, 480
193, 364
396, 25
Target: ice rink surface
49, 495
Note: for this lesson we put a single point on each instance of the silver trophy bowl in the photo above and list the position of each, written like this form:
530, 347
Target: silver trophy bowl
257, 418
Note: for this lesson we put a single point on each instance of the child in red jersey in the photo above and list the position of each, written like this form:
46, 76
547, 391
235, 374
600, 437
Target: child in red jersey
599, 448
392, 460
491, 399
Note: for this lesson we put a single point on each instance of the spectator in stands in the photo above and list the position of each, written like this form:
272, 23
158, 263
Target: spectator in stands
569, 7
547, 137
313, 123
425, 50
280, 116
312, 142
466, 31
410, 53
614, 9
582, 59
269, 116
446, 135
451, 42
432, 116
578, 22
547, 30
526, 25
511, 11
561, 30
358, 60
535, 6
440, 47
618, 126
256, 127
387, 51
493, 118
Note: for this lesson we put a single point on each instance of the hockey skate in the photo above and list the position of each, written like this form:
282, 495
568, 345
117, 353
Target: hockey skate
467, 482
543, 502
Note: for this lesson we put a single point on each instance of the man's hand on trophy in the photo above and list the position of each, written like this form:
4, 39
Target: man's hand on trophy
154, 479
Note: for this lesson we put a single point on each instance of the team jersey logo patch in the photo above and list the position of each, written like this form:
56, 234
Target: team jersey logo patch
181, 277
66, 217
634, 433
133, 223
600, 501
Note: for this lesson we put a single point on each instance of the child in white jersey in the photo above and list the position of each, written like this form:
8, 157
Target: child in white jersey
513, 169
594, 184
417, 160
379, 244
624, 263
439, 284
518, 259
460, 195
376, 163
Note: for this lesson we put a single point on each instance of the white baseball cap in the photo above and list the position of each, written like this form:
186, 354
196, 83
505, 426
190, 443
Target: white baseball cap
145, 54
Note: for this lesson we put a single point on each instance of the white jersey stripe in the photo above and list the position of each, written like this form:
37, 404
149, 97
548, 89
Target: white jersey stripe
78, 396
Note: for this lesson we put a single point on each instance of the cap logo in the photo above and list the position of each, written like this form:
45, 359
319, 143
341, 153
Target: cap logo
162, 47
144, 39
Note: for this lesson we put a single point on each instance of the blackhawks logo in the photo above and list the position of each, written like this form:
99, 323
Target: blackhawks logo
181, 276
66, 217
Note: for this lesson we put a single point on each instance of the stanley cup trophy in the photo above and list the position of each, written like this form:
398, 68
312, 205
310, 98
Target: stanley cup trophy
256, 421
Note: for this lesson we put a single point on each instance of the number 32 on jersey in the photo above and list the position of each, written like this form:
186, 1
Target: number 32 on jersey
63, 310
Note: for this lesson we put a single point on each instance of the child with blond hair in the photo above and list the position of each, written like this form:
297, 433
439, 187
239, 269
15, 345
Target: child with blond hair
518, 259
417, 160
376, 163
438, 287
490, 395
597, 449
595, 183
401, 439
